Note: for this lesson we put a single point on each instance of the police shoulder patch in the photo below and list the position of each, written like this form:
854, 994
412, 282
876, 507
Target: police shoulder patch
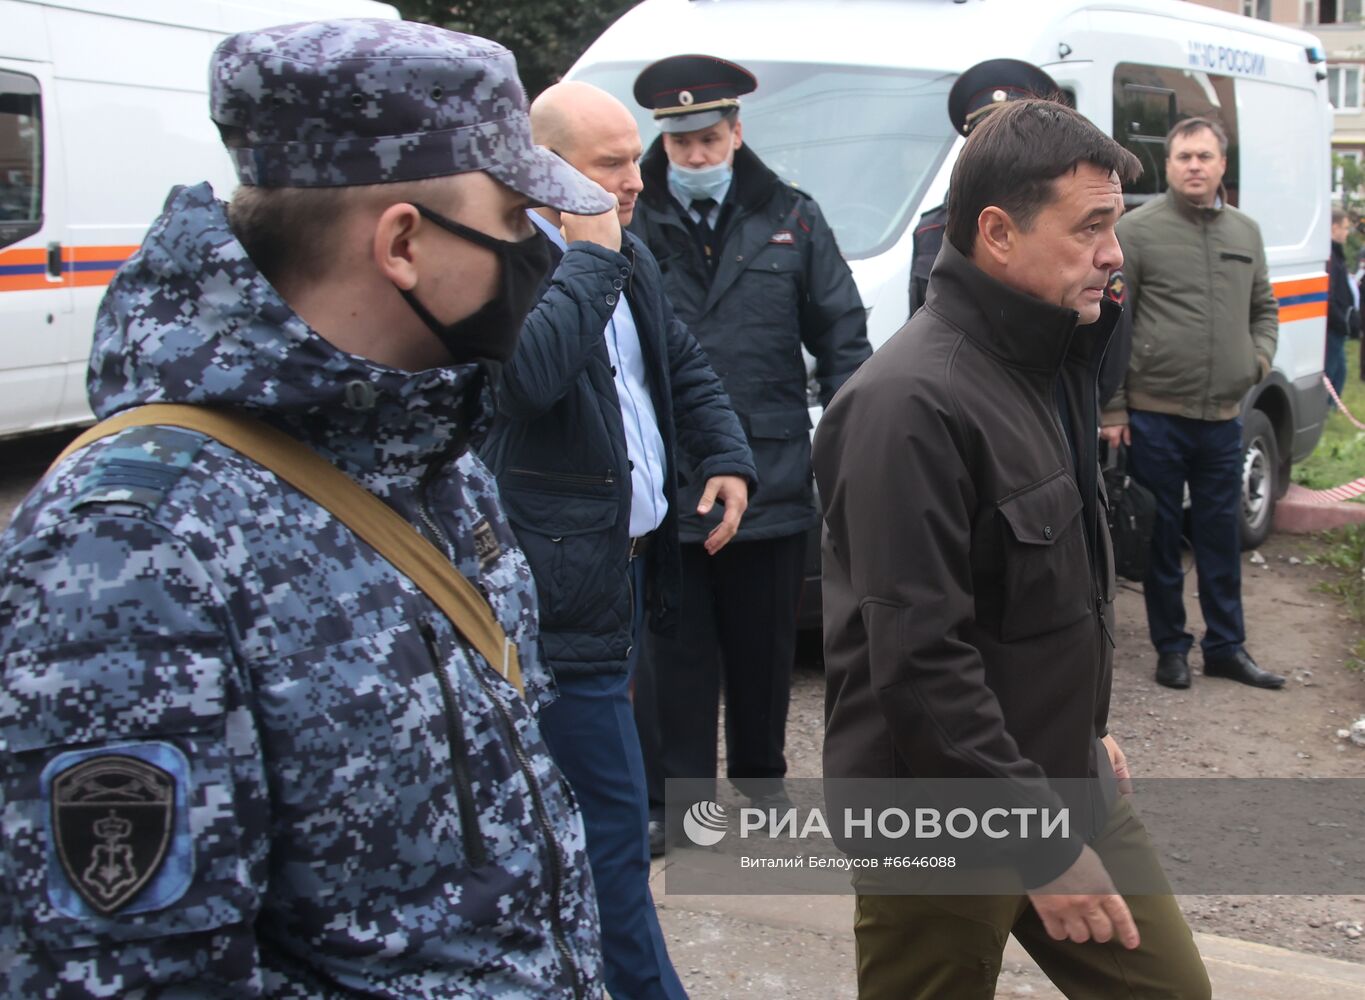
1117, 289
139, 466
118, 829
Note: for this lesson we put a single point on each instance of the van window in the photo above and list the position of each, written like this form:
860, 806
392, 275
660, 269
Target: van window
1148, 100
863, 142
21, 157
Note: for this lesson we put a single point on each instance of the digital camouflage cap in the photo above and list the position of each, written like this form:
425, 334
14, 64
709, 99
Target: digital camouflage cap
373, 101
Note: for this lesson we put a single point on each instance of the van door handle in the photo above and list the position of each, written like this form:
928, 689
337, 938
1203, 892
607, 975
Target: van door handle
54, 260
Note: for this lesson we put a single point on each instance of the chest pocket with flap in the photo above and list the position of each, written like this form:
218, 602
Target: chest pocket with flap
1047, 570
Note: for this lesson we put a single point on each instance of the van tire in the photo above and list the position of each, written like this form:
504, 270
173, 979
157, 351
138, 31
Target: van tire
1260, 478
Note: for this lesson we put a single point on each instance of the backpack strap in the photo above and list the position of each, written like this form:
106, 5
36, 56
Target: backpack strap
383, 528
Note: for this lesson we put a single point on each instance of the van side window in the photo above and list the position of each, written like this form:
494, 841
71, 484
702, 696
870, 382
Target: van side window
21, 157
1148, 100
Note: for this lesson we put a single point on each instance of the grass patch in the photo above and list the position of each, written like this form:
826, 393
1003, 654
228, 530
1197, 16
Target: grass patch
1340, 454
1344, 554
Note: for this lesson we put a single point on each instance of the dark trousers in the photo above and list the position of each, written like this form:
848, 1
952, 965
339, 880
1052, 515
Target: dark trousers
935, 947
1335, 362
737, 627
1168, 452
590, 731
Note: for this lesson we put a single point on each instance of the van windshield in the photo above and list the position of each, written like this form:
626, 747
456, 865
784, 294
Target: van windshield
863, 142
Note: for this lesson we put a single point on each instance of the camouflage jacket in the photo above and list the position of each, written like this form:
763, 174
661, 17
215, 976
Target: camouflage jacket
240, 754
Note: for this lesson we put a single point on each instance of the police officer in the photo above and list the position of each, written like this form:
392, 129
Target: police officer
241, 754
752, 267
974, 95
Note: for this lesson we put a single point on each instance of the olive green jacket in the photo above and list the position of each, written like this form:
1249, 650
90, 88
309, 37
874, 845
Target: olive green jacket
1205, 319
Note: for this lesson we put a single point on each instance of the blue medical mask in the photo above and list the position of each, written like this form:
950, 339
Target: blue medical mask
700, 182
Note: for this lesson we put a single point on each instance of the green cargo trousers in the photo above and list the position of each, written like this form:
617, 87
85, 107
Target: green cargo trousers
950, 947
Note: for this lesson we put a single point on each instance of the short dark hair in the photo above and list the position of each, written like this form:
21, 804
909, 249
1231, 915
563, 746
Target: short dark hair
289, 233
1013, 157
1189, 126
1338, 215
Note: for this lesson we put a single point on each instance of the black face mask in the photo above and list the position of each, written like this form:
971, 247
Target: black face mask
490, 333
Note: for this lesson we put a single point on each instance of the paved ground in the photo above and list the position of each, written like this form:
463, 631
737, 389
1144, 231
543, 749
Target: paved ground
801, 946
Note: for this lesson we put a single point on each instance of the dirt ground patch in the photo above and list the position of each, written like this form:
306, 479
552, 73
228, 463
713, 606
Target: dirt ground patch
1219, 727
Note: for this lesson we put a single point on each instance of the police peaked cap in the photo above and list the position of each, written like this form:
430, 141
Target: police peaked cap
993, 82
687, 93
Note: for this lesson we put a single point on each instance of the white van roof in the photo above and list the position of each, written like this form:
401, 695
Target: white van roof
927, 34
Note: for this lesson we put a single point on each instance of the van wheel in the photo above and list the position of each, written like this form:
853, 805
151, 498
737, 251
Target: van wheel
1260, 467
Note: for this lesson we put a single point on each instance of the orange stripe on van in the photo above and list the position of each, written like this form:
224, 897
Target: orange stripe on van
82, 267
1306, 310
1300, 286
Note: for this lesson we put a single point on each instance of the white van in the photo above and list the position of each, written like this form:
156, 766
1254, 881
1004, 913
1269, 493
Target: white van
103, 108
851, 106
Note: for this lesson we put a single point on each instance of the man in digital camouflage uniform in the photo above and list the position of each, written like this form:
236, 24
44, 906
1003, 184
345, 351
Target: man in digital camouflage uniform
241, 753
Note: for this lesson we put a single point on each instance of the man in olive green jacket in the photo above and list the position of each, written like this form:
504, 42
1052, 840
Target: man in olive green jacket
1205, 322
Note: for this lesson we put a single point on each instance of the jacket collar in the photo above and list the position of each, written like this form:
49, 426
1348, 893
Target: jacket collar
752, 187
1017, 329
1197, 213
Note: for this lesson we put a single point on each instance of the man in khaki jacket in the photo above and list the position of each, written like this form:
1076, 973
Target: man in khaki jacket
1205, 322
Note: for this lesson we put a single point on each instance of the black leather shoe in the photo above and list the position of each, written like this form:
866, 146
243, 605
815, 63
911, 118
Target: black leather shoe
656, 838
1242, 668
1173, 670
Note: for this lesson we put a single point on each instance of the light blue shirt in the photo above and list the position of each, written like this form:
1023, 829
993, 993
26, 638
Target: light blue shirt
713, 216
644, 443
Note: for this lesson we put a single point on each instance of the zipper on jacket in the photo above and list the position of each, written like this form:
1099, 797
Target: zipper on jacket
547, 832
509, 731
1088, 459
567, 477
475, 848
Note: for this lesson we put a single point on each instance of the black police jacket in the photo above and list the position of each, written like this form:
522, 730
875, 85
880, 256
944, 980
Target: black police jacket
779, 283
558, 449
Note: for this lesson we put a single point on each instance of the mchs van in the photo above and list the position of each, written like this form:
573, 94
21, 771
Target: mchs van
103, 109
851, 106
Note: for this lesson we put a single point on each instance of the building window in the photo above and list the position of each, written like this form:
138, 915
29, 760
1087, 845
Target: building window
1338, 172
1343, 87
1256, 8
1339, 11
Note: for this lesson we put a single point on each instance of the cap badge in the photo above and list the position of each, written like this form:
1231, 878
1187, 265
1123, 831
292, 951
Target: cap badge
685, 98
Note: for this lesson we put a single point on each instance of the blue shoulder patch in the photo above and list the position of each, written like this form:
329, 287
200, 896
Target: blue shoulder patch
118, 829
139, 466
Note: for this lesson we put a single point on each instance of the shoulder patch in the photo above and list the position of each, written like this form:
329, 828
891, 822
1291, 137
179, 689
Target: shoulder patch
139, 466
118, 830
1117, 289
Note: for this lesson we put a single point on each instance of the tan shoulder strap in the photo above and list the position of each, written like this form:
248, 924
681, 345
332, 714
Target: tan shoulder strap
356, 507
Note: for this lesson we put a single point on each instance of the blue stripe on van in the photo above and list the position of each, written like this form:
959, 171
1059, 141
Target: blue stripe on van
1299, 300
67, 266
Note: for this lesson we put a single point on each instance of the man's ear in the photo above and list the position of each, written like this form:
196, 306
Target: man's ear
394, 236
739, 133
995, 233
